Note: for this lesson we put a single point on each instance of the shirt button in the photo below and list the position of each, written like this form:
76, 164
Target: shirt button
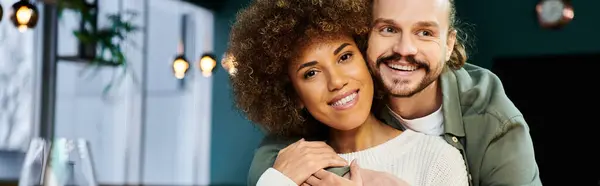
454, 139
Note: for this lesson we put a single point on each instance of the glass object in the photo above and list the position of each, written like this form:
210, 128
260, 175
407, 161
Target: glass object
65, 162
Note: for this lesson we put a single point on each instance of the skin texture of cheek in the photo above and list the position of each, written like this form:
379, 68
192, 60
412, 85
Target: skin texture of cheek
347, 119
326, 71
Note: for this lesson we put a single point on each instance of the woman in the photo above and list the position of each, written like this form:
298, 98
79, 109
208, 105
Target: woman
300, 74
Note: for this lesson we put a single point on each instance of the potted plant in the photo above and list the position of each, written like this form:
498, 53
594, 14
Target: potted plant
99, 46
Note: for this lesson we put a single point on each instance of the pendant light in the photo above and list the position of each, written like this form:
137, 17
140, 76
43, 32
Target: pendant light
207, 64
24, 15
180, 64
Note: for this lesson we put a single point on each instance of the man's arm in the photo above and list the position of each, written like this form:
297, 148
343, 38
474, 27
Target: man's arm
264, 157
509, 159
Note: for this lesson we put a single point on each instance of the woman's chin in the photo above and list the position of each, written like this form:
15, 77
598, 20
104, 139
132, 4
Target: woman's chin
348, 126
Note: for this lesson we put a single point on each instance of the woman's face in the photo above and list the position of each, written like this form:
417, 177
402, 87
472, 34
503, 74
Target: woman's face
333, 82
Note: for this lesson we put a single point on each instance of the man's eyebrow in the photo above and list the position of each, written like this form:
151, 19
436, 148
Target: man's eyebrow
427, 24
383, 20
392, 22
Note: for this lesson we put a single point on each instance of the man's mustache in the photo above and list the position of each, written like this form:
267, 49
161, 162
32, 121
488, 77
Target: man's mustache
397, 57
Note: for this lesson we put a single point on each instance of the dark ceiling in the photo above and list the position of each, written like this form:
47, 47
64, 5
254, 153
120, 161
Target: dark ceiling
214, 5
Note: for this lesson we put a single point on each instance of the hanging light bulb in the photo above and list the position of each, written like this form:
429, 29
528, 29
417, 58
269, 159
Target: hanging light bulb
180, 64
180, 67
207, 64
24, 16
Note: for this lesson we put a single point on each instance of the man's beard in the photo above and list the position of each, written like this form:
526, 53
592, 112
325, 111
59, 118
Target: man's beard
391, 86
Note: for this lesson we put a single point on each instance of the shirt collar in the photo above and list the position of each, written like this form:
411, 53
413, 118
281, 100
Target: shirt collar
453, 122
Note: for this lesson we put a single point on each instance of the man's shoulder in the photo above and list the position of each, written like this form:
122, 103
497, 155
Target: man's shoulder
265, 156
481, 93
270, 147
497, 138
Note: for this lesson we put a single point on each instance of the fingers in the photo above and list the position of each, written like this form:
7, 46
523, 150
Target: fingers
305, 184
355, 173
324, 177
320, 157
318, 150
313, 145
291, 146
312, 180
331, 156
297, 143
323, 174
316, 144
335, 162
321, 161
316, 165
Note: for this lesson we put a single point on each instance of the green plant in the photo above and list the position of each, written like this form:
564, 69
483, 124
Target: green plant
101, 45
108, 39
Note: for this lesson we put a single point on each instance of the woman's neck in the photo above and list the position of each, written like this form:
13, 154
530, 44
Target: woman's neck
371, 133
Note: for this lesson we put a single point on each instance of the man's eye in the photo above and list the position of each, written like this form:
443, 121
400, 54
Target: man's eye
425, 33
388, 29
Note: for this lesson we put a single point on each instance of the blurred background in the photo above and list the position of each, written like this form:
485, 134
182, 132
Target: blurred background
161, 112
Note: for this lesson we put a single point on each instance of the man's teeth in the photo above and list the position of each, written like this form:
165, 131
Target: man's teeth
345, 100
402, 67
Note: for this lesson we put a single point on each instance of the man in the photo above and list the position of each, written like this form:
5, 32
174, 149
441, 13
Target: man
414, 52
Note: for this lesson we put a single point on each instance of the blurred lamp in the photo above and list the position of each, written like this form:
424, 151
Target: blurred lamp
24, 16
180, 67
207, 64
228, 63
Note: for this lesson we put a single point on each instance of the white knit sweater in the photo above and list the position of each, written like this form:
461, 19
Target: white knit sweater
419, 159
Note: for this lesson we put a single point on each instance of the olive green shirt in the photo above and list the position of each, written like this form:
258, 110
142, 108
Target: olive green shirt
479, 120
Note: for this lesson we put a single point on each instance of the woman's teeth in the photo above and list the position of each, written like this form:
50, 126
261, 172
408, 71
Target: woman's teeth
345, 100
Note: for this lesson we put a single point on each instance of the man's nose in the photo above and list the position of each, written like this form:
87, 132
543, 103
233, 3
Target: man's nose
405, 46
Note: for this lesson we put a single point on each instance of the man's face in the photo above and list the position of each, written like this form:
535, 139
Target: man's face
409, 43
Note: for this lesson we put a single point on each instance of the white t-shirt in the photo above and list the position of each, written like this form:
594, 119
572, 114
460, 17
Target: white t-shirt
432, 124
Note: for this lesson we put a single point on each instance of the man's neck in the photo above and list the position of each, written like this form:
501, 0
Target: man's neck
419, 105
371, 133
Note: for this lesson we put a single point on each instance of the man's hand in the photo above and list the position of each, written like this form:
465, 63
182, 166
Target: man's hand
301, 159
323, 177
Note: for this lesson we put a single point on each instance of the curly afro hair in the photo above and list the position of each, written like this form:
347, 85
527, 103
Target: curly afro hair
266, 37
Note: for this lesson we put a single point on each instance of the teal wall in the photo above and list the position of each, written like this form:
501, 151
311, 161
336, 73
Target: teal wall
510, 28
233, 137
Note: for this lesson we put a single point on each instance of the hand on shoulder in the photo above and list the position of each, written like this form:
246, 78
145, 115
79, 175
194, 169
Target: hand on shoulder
302, 159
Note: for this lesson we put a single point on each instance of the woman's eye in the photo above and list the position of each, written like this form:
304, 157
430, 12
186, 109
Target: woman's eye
310, 74
345, 57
